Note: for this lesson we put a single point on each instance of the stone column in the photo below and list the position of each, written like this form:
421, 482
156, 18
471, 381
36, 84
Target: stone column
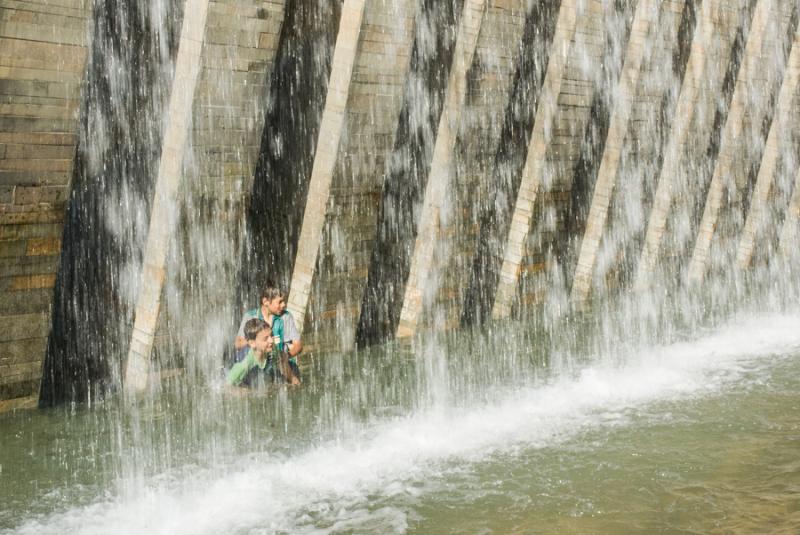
645, 17
43, 51
206, 168
789, 245
693, 120
779, 133
536, 159
491, 82
748, 108
439, 178
359, 122
165, 208
228, 120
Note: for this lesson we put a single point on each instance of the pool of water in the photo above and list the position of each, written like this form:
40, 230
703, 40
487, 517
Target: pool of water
696, 433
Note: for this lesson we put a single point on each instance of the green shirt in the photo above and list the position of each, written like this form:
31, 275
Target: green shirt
240, 370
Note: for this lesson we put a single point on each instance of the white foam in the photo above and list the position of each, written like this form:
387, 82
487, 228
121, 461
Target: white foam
331, 484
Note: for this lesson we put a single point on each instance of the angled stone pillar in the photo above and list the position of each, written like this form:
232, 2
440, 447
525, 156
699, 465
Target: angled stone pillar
757, 74
535, 162
356, 137
330, 136
779, 133
645, 17
710, 52
215, 121
442, 169
789, 245
491, 82
43, 51
228, 119
165, 208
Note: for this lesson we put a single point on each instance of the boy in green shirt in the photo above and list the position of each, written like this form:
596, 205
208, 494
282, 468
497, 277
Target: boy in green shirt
262, 359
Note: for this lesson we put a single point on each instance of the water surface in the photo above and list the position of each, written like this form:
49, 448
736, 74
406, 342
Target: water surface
697, 435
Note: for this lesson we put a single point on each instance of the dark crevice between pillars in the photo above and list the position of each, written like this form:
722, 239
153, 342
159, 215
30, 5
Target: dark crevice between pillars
584, 177
495, 216
297, 93
705, 170
583, 182
662, 129
119, 144
404, 189
779, 203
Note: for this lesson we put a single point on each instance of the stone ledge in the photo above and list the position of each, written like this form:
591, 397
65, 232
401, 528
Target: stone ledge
20, 403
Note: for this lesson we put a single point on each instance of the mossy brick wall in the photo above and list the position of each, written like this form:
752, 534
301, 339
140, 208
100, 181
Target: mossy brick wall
373, 110
43, 53
230, 102
489, 90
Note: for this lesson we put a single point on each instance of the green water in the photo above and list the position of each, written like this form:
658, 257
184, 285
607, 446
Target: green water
723, 464
700, 434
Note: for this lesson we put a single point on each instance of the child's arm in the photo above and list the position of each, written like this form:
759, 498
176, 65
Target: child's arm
238, 373
239, 342
285, 369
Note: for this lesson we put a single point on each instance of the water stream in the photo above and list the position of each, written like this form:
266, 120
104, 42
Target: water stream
691, 425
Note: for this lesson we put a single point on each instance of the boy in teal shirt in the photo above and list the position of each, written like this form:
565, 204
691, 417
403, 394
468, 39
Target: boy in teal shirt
264, 362
273, 311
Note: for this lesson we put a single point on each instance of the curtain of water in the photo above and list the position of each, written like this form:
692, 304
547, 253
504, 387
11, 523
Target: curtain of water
128, 82
517, 124
129, 76
295, 104
404, 187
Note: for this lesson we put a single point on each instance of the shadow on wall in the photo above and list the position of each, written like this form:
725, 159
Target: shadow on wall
404, 189
296, 100
119, 146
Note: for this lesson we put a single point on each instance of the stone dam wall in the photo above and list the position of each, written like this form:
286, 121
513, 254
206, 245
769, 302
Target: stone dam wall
398, 165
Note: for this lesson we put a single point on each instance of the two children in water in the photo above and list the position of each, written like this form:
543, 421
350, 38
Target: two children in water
267, 343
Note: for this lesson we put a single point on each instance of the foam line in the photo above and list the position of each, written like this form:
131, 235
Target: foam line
336, 479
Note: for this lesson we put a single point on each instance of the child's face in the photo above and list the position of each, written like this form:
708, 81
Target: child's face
263, 341
276, 306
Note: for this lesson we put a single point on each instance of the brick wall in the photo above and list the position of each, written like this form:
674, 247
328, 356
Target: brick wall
489, 88
348, 236
43, 53
230, 102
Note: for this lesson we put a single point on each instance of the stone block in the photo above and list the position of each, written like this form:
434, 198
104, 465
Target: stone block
55, 195
27, 195
22, 354
14, 215
27, 265
22, 327
35, 301
18, 393
10, 232
58, 152
32, 282
34, 124
6, 192
38, 138
12, 249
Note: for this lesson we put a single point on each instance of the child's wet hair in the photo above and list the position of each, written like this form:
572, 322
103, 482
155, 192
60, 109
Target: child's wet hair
271, 290
253, 327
